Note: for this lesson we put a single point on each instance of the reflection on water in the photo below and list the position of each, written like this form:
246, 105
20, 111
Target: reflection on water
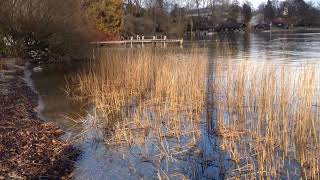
287, 48
99, 162
50, 84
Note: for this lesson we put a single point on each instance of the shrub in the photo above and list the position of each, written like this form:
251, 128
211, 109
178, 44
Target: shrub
42, 29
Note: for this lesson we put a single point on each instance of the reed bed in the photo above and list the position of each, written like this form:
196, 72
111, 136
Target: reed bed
268, 117
149, 100
154, 102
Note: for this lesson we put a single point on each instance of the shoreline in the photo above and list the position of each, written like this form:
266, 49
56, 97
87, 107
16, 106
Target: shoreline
290, 30
29, 147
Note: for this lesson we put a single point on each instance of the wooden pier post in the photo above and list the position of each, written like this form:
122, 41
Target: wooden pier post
153, 39
140, 41
142, 38
93, 54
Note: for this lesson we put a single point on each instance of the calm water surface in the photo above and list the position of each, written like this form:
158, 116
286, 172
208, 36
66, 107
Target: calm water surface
101, 162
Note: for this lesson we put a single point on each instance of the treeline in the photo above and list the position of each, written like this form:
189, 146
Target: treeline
172, 18
58, 29
175, 18
295, 12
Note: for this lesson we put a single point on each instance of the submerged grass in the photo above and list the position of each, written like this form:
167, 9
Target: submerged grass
155, 100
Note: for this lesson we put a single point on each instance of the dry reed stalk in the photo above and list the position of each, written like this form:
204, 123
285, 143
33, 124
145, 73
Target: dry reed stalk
267, 115
279, 118
149, 98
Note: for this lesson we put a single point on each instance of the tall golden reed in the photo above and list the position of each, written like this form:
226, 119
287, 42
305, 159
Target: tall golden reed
148, 96
267, 115
268, 118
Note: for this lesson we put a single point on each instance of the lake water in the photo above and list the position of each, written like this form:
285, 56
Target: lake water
101, 162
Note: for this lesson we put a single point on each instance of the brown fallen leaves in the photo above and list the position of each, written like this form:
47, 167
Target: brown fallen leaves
29, 147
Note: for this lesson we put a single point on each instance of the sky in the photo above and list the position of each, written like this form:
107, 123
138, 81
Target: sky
256, 3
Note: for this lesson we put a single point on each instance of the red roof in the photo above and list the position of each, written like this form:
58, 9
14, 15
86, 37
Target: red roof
279, 20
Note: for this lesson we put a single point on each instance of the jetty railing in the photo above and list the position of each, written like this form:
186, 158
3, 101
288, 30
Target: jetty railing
163, 40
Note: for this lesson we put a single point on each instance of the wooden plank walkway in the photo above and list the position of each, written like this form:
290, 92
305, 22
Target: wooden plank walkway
141, 41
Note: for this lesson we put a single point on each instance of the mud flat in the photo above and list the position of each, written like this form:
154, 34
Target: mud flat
29, 147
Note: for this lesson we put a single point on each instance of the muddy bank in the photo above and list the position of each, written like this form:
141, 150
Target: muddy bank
29, 147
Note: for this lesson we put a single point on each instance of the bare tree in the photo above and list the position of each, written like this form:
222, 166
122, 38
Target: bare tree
247, 12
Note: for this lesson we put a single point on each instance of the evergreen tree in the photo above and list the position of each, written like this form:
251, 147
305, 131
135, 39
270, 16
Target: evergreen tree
234, 10
246, 12
269, 12
107, 16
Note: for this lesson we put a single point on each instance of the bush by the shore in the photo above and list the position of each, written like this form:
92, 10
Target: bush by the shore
42, 30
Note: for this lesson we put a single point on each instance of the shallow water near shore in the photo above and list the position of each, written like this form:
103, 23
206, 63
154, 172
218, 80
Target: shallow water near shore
101, 162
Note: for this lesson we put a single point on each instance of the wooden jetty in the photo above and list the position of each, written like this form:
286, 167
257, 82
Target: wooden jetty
141, 40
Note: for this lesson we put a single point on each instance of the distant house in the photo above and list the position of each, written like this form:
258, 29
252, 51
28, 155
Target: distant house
257, 19
280, 22
200, 19
262, 27
202, 12
230, 26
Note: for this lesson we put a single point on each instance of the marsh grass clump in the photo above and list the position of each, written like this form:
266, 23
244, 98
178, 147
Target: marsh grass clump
268, 117
149, 99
